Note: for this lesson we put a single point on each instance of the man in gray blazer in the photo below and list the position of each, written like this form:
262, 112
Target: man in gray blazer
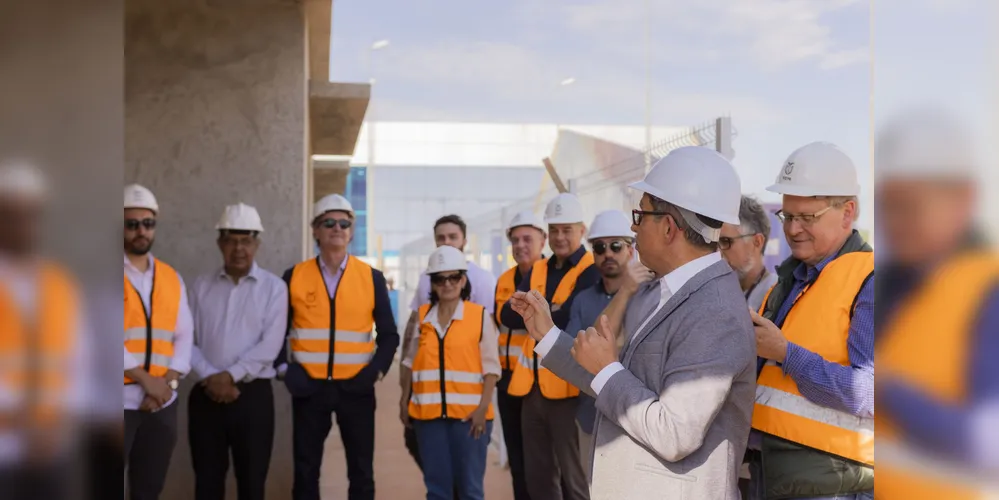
675, 405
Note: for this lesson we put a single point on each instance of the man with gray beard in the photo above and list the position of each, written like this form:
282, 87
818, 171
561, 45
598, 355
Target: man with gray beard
743, 247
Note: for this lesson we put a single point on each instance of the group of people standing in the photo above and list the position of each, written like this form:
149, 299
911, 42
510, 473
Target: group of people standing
659, 358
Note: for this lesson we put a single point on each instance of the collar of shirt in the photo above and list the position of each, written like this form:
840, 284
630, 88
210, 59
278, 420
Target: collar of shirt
602, 289
459, 314
130, 267
254, 272
324, 267
674, 280
806, 273
573, 259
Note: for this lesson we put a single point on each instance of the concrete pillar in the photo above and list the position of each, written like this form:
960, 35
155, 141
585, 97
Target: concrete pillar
216, 103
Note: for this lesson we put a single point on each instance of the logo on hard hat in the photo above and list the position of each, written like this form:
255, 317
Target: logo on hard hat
788, 168
558, 209
440, 259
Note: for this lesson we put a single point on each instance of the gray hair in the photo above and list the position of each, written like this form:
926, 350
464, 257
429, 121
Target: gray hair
689, 232
753, 218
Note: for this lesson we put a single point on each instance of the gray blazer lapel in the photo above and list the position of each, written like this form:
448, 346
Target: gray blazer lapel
697, 281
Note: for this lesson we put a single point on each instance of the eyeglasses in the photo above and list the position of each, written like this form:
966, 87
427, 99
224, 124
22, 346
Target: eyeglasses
133, 224
439, 279
600, 247
636, 215
803, 219
725, 242
331, 223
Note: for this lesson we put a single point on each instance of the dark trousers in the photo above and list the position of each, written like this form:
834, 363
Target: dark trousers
245, 427
312, 419
38, 482
149, 441
104, 458
452, 459
510, 408
553, 466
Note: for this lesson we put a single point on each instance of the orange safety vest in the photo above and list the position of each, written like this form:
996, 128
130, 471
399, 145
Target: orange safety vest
819, 321
510, 342
528, 370
149, 334
934, 323
36, 350
447, 372
331, 337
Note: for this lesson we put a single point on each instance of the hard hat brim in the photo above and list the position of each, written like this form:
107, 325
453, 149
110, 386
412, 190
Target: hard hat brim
808, 192
653, 191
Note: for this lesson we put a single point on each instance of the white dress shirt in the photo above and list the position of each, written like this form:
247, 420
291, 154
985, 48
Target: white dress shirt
238, 327
668, 285
488, 343
183, 335
483, 289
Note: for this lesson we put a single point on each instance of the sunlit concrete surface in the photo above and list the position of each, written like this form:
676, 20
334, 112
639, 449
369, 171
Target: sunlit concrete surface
396, 475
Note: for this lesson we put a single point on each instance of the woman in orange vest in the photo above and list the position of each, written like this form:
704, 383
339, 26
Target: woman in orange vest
455, 366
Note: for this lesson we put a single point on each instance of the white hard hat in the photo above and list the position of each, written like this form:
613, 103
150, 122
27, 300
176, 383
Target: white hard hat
817, 169
240, 217
447, 258
609, 224
925, 144
697, 179
137, 196
330, 203
22, 180
564, 209
526, 218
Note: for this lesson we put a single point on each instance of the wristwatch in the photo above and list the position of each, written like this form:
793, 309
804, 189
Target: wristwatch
174, 384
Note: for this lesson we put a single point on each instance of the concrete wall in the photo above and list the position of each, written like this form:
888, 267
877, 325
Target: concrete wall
216, 101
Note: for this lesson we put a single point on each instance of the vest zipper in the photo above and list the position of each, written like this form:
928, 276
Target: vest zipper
506, 359
440, 355
329, 362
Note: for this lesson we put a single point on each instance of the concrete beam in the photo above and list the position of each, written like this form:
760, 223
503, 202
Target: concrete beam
328, 181
318, 18
336, 111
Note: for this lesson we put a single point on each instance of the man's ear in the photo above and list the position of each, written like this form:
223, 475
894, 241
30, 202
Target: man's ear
759, 241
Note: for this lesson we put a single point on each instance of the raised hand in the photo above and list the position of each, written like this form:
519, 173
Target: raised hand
537, 315
636, 274
596, 347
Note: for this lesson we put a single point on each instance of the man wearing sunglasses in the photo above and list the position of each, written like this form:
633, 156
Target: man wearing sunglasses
333, 357
813, 424
612, 242
159, 334
743, 246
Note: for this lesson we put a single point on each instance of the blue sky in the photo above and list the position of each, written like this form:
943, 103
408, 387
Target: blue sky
789, 72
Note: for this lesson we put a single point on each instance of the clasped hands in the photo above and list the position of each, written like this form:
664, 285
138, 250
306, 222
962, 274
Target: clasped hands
221, 388
593, 349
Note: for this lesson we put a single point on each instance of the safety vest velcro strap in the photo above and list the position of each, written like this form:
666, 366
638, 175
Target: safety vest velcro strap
802, 407
434, 398
324, 334
139, 333
338, 358
513, 351
449, 376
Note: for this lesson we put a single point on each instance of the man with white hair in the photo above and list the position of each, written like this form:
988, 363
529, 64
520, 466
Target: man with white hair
743, 246
813, 420
240, 316
674, 405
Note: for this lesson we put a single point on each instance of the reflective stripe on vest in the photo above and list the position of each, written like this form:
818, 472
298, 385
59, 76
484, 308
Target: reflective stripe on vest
327, 352
35, 353
819, 321
528, 370
510, 343
149, 334
447, 372
936, 321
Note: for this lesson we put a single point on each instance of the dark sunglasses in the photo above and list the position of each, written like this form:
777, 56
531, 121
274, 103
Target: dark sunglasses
133, 224
439, 279
600, 247
330, 223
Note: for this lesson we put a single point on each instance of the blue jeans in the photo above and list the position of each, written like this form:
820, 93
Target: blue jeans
452, 458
